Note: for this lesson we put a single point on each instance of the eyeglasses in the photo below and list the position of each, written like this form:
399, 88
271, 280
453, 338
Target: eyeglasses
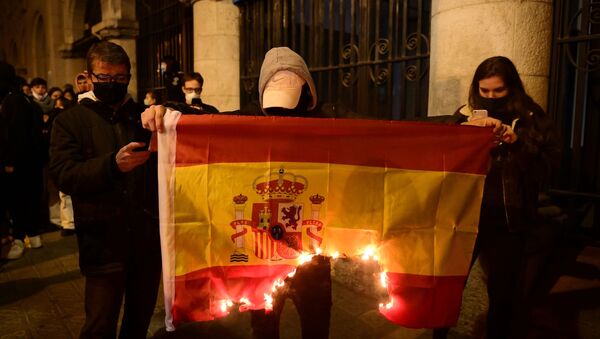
195, 90
121, 78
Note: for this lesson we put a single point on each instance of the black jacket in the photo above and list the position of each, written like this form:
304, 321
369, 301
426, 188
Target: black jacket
21, 134
518, 171
110, 208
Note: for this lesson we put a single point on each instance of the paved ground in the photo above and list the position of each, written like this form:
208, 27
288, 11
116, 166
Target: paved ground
41, 296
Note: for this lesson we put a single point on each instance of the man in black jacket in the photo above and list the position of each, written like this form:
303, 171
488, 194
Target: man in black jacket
98, 157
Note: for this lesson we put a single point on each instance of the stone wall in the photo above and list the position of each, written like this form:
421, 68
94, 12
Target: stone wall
465, 32
217, 52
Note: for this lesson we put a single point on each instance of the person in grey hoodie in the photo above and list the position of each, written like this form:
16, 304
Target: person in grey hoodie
285, 88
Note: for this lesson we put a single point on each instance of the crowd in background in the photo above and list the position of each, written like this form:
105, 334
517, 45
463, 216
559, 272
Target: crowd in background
30, 203
100, 155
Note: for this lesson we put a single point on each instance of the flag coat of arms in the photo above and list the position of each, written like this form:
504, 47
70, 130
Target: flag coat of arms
244, 199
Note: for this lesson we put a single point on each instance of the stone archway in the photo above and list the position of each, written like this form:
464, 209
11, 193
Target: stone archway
74, 20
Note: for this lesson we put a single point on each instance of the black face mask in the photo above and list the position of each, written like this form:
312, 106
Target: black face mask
494, 105
110, 93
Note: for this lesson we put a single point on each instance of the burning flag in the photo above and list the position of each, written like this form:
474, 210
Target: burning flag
244, 200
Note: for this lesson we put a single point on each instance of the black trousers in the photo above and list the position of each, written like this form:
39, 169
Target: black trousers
503, 258
104, 294
310, 290
25, 187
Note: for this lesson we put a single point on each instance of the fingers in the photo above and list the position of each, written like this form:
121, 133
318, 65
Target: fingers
160, 113
133, 145
503, 132
485, 122
148, 119
128, 158
509, 135
152, 118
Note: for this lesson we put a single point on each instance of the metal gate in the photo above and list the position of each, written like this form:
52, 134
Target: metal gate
575, 103
165, 31
368, 57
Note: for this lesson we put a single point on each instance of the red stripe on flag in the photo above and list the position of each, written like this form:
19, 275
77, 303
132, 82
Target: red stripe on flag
204, 139
424, 301
197, 294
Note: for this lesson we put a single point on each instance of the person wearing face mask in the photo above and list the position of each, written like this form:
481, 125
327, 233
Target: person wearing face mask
527, 152
152, 98
192, 88
39, 90
98, 156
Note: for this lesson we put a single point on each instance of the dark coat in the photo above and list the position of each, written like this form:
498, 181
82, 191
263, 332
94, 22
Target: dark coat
23, 144
111, 209
518, 171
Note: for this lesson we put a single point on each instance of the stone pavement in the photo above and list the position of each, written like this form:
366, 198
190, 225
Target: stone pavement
41, 296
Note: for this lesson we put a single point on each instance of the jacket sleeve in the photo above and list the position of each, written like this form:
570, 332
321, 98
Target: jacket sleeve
74, 173
537, 149
453, 119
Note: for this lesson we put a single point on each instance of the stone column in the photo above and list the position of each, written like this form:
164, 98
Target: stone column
122, 33
217, 52
120, 26
465, 32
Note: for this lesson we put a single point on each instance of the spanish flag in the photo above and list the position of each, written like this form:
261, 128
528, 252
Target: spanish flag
243, 200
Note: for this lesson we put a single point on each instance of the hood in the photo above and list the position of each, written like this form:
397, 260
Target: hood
466, 110
283, 58
87, 95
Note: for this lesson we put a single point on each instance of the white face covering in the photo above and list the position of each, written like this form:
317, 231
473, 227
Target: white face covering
39, 97
191, 96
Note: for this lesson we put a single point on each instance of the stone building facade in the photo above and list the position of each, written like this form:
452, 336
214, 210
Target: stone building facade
44, 38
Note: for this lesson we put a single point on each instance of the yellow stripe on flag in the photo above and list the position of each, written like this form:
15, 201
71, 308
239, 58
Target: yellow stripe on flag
424, 221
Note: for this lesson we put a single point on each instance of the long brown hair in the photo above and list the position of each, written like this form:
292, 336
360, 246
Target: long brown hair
519, 101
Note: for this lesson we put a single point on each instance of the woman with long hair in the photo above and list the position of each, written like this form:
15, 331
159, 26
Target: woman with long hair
526, 153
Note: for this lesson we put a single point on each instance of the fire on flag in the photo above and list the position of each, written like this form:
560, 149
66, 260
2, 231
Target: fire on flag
244, 200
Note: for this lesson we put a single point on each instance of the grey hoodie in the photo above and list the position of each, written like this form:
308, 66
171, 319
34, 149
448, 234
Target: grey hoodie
283, 58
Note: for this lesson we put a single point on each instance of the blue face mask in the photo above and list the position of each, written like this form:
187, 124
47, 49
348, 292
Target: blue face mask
110, 93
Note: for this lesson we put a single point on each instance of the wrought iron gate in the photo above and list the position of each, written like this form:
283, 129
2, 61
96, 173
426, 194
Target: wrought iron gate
575, 100
368, 57
165, 30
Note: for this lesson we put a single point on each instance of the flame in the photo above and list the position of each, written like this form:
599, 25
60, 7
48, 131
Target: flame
225, 304
277, 284
304, 258
387, 306
318, 251
291, 274
245, 301
383, 279
268, 302
369, 252
335, 255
